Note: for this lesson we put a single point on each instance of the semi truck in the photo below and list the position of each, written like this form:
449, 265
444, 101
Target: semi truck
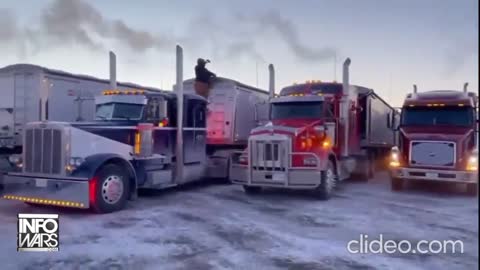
33, 93
319, 133
139, 140
438, 139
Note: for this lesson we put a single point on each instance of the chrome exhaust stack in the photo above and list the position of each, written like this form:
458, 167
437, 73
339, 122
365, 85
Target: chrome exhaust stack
346, 105
179, 89
113, 70
271, 81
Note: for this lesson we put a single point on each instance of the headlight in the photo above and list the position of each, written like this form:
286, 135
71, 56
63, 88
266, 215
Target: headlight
15, 159
75, 161
472, 164
395, 157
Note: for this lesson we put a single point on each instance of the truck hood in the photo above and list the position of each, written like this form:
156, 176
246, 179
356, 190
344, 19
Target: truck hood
295, 123
291, 127
440, 133
459, 135
102, 124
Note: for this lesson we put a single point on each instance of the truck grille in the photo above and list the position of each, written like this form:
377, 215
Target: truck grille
428, 153
43, 151
269, 155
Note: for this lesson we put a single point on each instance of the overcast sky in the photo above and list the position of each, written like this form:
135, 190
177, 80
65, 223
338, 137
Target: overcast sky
392, 44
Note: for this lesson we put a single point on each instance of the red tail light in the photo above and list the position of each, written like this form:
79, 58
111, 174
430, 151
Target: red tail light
92, 190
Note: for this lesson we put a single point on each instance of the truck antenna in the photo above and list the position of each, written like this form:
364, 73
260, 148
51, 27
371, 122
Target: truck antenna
390, 87
113, 70
465, 87
256, 72
414, 88
179, 89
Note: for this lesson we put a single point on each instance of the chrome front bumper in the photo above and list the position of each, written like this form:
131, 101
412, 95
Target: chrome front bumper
434, 175
64, 192
294, 179
270, 159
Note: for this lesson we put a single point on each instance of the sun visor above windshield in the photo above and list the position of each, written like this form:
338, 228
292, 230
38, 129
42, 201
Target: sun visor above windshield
313, 87
306, 98
132, 99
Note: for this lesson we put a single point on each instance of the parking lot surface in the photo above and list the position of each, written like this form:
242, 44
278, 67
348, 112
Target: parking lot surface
212, 226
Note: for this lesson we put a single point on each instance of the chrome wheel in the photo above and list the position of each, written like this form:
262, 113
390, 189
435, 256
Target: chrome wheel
112, 189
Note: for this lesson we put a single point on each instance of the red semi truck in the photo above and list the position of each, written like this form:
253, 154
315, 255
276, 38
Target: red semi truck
438, 139
319, 133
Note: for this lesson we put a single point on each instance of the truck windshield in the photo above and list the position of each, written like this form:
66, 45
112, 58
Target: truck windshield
428, 116
122, 111
299, 110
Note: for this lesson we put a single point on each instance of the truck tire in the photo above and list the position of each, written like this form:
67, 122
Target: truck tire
472, 189
252, 190
396, 184
112, 189
328, 181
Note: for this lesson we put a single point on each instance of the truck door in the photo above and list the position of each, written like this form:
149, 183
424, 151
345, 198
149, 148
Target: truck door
331, 121
195, 132
163, 136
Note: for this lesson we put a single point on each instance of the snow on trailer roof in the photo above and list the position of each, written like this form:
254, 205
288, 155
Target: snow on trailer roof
319, 87
76, 76
223, 79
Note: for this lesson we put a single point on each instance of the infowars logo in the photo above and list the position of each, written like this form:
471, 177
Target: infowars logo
38, 232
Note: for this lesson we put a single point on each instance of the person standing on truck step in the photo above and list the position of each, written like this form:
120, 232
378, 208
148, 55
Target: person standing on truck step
203, 78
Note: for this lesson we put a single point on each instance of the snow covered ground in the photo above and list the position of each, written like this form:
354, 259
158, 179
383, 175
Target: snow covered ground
219, 227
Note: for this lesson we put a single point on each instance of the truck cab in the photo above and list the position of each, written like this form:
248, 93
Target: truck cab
316, 137
438, 139
101, 164
134, 106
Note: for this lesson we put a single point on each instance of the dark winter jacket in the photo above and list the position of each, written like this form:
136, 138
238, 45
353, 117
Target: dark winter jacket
202, 74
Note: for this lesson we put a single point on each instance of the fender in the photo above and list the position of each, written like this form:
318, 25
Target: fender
324, 156
93, 163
